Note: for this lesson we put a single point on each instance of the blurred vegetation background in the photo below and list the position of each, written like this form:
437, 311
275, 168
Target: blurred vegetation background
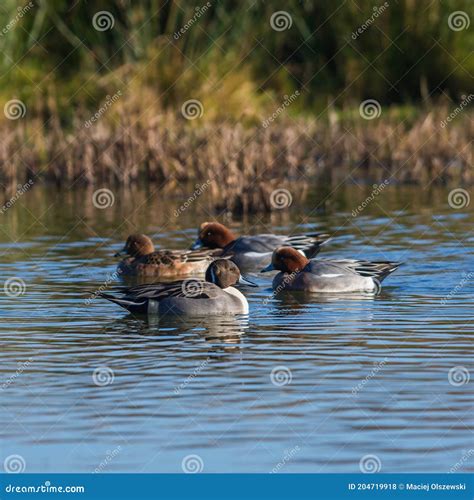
230, 58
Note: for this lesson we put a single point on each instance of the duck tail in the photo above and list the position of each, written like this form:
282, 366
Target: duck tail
309, 244
129, 305
384, 269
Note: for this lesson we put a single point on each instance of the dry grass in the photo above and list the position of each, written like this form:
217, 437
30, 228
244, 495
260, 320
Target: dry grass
244, 164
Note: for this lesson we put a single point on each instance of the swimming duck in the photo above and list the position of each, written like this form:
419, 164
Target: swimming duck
144, 260
191, 297
254, 252
326, 276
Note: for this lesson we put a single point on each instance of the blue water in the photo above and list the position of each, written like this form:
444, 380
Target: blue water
358, 381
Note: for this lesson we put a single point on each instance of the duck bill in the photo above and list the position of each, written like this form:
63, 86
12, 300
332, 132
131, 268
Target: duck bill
245, 281
120, 252
268, 268
197, 244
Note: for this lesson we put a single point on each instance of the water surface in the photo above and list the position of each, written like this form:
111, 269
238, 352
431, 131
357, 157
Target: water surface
353, 375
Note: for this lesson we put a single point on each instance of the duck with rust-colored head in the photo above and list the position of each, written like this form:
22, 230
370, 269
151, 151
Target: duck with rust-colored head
144, 260
251, 253
192, 297
298, 273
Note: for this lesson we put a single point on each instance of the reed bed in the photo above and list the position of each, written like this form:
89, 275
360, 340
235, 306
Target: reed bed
240, 166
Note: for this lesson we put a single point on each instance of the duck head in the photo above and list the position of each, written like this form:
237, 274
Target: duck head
287, 260
137, 245
224, 273
213, 235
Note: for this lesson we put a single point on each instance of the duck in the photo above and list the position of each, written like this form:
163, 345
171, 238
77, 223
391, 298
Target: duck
251, 253
144, 260
298, 273
190, 297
